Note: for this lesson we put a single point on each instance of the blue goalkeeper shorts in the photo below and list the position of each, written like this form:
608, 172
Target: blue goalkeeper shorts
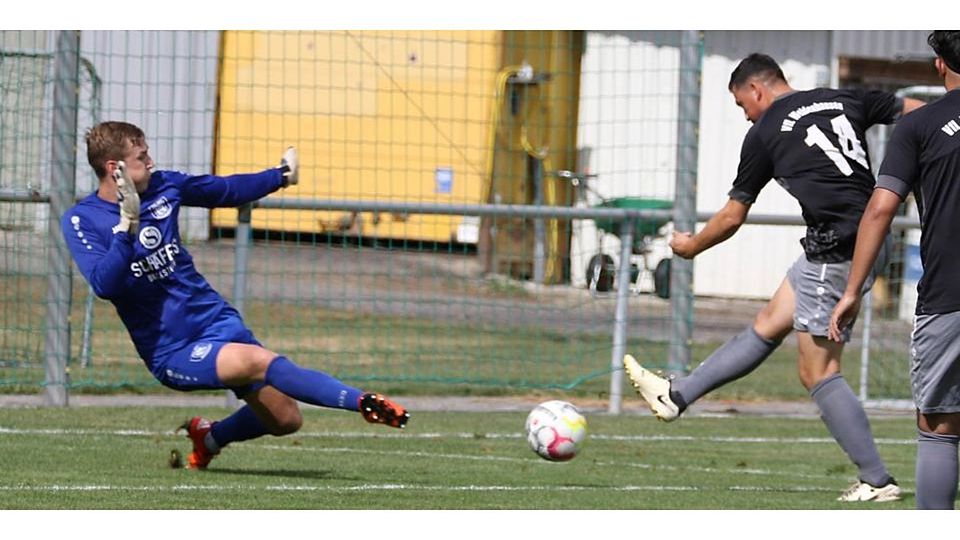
194, 366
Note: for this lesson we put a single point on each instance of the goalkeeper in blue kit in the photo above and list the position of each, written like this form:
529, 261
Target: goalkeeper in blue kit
125, 240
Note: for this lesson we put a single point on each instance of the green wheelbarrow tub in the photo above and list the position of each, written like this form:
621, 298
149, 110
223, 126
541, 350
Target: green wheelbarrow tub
644, 227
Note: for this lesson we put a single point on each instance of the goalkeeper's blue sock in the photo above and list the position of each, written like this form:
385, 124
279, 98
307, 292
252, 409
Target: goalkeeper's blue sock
309, 386
242, 425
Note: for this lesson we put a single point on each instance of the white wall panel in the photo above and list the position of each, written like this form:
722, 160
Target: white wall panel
166, 83
628, 114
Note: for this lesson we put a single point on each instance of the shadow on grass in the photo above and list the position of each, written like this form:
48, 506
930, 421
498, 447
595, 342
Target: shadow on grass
311, 474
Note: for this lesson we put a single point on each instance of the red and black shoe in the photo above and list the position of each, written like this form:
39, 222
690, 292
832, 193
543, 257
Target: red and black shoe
377, 409
197, 429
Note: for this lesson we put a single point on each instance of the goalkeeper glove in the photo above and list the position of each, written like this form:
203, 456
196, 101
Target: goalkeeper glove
128, 199
289, 165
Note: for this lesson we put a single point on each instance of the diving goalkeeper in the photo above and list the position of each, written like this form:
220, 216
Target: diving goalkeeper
125, 240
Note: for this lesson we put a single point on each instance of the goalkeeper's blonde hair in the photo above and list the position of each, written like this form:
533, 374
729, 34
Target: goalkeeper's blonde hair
109, 141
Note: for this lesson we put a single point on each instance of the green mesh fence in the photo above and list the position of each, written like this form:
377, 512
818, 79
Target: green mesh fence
397, 300
416, 300
26, 95
423, 301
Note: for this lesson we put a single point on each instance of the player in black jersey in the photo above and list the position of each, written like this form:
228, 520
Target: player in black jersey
923, 156
812, 142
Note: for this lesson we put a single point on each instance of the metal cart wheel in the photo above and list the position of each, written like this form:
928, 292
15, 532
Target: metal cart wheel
600, 271
661, 278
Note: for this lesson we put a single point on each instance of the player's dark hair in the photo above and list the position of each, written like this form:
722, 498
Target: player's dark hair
755, 65
109, 141
946, 44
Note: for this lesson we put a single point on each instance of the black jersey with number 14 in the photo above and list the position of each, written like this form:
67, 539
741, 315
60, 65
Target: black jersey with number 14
813, 143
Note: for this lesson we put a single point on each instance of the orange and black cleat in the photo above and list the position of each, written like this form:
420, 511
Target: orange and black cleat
377, 409
197, 429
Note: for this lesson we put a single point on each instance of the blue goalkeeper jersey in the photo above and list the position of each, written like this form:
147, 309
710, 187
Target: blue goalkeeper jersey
160, 296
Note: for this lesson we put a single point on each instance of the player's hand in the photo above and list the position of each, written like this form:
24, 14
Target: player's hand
128, 199
290, 165
682, 245
843, 314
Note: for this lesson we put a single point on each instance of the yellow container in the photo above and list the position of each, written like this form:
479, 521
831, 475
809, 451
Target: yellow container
407, 116
399, 116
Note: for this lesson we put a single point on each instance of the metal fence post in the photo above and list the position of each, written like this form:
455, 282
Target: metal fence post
620, 318
241, 253
685, 203
539, 227
86, 335
62, 187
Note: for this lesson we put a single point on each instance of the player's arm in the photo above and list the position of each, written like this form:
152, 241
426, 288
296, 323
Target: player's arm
754, 171
102, 255
874, 226
211, 191
719, 228
898, 174
882, 107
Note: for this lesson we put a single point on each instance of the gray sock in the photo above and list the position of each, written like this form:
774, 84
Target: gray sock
936, 471
844, 416
734, 359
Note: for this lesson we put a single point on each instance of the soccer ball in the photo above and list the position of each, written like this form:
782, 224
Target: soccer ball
556, 430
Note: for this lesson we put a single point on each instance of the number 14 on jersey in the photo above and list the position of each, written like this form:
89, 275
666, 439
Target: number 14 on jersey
849, 144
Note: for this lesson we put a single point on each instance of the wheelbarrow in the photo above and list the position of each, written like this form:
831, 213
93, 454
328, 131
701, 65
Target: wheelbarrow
601, 270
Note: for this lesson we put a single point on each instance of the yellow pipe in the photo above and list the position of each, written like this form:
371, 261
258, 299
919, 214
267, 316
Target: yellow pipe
501, 85
542, 153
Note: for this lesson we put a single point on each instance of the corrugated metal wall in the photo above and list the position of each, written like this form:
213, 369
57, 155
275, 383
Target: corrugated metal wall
892, 44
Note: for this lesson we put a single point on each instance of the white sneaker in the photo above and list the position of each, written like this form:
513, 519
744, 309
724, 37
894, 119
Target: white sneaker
652, 388
862, 491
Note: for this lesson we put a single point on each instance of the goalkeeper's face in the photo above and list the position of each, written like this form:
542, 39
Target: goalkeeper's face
139, 165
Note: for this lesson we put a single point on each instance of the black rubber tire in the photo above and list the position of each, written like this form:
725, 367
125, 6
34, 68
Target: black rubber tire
661, 279
600, 273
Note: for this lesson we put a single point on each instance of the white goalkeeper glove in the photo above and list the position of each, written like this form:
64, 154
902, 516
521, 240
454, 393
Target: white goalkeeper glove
128, 199
289, 165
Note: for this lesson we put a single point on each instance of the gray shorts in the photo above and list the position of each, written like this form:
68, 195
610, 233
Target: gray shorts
817, 288
935, 363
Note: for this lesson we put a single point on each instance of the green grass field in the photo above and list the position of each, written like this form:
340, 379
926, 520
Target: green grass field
116, 458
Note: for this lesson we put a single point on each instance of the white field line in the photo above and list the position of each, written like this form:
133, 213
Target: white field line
487, 458
463, 435
389, 487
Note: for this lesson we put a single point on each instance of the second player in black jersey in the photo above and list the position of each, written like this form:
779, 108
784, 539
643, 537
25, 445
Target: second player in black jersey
812, 143
923, 156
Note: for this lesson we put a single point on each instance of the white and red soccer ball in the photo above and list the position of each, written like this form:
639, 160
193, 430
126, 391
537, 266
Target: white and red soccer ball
556, 430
